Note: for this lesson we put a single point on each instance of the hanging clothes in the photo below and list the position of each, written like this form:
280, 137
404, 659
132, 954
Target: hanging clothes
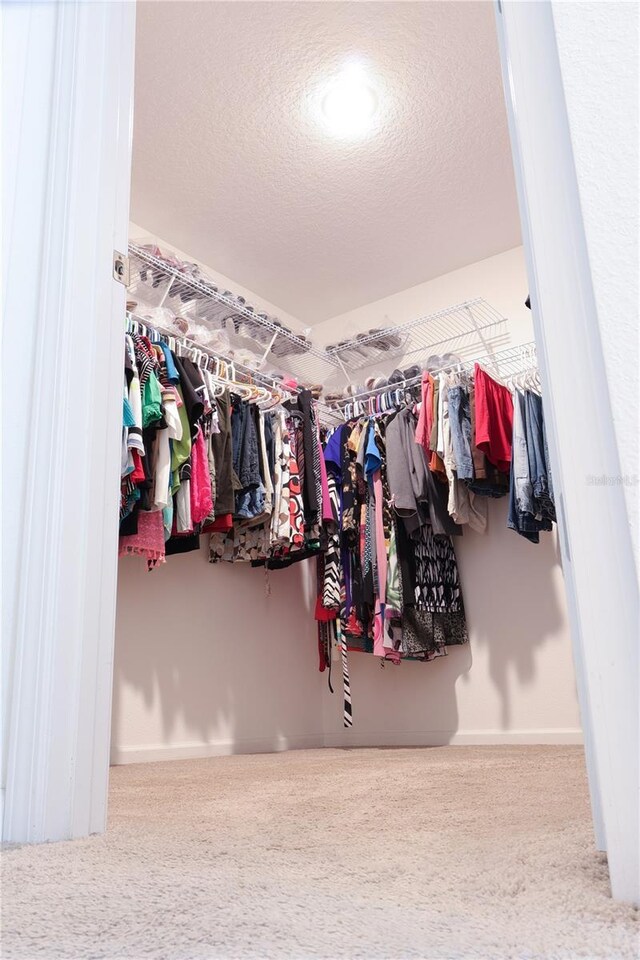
197, 459
377, 501
399, 577
408, 481
494, 419
531, 507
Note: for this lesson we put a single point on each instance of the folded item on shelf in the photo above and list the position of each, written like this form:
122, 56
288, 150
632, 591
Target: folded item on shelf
366, 345
252, 329
451, 359
384, 339
160, 316
241, 355
376, 382
284, 347
209, 336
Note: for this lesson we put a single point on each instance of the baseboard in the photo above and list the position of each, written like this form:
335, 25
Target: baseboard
440, 738
219, 748
345, 738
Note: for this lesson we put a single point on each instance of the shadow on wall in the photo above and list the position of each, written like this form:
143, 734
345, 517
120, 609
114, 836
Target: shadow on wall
398, 704
208, 662
513, 594
512, 608
214, 655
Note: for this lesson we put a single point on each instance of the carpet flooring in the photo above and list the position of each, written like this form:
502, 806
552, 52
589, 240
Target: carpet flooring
449, 852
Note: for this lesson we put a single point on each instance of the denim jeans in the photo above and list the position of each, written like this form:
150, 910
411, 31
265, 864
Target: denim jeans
460, 424
525, 514
538, 453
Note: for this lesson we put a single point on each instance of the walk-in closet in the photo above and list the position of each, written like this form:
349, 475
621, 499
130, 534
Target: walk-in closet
333, 263
352, 679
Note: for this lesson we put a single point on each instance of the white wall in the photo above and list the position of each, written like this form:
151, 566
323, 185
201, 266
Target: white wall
67, 98
207, 663
598, 52
515, 680
230, 669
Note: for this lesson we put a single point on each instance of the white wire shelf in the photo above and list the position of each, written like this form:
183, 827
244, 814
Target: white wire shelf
503, 365
168, 288
511, 362
178, 295
464, 328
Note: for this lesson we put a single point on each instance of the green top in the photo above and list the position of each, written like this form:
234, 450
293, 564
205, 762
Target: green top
180, 449
151, 401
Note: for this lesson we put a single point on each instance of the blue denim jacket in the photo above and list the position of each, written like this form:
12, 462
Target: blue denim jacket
528, 514
460, 423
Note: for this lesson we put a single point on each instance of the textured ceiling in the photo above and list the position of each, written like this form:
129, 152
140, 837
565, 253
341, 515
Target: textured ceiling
230, 163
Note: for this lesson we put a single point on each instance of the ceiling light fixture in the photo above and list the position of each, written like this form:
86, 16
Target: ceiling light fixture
349, 103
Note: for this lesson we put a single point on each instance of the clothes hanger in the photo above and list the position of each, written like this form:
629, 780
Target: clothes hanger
218, 384
243, 390
274, 398
264, 395
533, 379
255, 391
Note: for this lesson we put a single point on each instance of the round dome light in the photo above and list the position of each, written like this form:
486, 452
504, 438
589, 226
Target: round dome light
349, 103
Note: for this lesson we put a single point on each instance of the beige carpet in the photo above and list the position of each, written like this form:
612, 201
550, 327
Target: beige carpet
452, 852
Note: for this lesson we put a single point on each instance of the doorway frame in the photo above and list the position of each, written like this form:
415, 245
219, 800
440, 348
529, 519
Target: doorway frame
61, 653
599, 566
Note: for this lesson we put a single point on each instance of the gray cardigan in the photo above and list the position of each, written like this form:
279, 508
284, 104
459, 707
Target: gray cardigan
417, 495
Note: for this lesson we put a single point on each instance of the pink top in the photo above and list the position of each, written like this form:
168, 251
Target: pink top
425, 419
148, 541
201, 500
379, 648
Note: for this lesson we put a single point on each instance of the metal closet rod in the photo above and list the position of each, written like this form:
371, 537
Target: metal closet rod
488, 360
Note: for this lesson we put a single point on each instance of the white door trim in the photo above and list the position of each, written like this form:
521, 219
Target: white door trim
70, 108
68, 100
597, 553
